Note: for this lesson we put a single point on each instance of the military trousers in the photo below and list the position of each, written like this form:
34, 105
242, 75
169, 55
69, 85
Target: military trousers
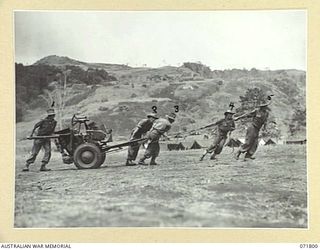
133, 150
217, 144
153, 148
37, 145
251, 142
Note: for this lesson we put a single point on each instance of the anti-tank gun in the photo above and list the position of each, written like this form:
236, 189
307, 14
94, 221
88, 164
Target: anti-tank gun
84, 143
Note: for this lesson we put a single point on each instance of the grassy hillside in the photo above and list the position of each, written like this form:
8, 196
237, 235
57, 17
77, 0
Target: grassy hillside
202, 95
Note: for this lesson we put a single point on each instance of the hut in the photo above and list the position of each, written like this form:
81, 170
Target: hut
175, 146
298, 142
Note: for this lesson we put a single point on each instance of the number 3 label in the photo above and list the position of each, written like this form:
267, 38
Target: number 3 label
176, 108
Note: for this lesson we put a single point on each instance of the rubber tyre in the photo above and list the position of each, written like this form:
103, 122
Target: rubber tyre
103, 158
87, 156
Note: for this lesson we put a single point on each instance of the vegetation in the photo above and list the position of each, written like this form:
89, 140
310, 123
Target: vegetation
40, 80
298, 121
199, 68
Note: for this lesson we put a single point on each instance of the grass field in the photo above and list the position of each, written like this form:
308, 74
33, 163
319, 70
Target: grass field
269, 192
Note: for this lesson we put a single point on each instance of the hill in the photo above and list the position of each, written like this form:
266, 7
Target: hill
119, 95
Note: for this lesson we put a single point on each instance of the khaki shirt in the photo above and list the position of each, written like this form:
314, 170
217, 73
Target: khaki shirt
46, 126
161, 125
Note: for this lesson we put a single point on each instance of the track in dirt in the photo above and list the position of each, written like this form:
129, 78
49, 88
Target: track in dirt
269, 192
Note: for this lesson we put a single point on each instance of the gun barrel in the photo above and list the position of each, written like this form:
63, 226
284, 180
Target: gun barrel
45, 136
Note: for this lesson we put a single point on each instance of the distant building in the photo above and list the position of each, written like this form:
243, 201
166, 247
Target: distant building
297, 142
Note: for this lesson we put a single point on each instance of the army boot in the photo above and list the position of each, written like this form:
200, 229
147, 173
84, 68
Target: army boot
248, 156
43, 167
141, 161
213, 157
153, 161
202, 156
238, 155
130, 163
26, 168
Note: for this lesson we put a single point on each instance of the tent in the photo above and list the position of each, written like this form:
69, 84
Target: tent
195, 145
270, 142
262, 142
242, 140
234, 143
175, 146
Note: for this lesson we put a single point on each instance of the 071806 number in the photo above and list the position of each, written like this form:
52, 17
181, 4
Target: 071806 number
309, 246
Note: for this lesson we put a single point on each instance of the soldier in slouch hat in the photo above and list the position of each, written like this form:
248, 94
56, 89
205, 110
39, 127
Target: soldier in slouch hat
44, 127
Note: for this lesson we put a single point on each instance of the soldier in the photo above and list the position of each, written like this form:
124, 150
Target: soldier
159, 128
45, 127
225, 126
259, 119
142, 128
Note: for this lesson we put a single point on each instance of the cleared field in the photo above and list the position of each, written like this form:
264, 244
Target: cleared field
269, 192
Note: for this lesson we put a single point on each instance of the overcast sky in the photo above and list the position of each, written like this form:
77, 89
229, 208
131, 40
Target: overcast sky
219, 39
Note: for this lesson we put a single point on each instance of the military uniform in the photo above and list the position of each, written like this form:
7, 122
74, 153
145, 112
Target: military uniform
250, 146
143, 127
45, 127
159, 128
225, 126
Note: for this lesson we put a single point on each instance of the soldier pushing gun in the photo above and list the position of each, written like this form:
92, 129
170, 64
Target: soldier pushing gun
45, 127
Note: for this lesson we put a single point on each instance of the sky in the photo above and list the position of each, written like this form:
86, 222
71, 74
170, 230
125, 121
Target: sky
219, 39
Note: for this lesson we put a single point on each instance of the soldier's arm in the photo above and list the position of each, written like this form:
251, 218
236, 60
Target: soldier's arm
134, 132
245, 115
136, 129
37, 125
265, 123
212, 124
232, 127
54, 126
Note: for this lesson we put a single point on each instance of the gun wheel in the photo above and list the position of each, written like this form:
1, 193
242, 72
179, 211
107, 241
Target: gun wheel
87, 156
103, 157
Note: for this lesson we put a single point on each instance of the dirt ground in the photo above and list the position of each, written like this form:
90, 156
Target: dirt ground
269, 192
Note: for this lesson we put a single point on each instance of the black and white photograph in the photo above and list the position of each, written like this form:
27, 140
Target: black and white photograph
160, 119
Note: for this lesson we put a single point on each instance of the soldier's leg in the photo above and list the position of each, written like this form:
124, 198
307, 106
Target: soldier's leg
132, 154
147, 154
253, 147
218, 148
37, 144
211, 148
47, 155
155, 153
135, 151
250, 136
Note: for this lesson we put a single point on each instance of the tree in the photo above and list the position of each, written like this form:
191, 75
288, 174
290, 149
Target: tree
251, 99
298, 121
